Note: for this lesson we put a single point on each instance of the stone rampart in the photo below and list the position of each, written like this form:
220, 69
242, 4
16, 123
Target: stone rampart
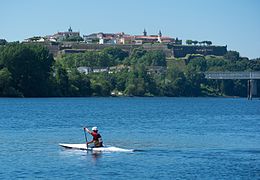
183, 50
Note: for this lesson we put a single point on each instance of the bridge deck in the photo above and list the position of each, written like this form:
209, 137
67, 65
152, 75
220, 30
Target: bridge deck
232, 75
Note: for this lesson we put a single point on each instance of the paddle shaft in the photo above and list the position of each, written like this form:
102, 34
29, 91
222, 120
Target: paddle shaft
86, 138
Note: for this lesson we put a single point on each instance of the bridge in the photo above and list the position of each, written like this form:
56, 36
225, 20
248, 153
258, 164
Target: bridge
250, 76
232, 75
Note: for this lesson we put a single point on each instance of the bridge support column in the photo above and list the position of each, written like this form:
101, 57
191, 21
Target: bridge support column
251, 89
254, 88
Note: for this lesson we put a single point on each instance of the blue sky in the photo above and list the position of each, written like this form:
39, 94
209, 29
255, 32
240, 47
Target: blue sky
224, 22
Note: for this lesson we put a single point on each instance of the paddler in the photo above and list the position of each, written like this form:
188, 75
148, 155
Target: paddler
97, 140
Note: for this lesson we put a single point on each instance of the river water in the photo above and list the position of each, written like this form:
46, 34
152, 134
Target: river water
175, 138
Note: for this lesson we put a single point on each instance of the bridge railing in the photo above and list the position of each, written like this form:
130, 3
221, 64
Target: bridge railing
232, 75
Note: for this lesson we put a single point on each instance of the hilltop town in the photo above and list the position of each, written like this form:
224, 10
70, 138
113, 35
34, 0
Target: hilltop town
72, 42
105, 38
117, 64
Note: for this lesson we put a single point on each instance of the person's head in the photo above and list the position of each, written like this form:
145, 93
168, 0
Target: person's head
95, 129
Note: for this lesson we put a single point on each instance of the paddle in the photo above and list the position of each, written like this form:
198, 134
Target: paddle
86, 138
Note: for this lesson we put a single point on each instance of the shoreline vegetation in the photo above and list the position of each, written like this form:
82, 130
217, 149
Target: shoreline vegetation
29, 70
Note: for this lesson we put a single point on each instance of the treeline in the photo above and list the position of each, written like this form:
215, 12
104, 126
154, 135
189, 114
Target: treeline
195, 42
30, 71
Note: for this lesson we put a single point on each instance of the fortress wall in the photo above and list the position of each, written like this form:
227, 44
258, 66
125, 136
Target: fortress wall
176, 50
98, 47
183, 50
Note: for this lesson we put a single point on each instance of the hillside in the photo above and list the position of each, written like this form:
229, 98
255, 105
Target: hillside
28, 70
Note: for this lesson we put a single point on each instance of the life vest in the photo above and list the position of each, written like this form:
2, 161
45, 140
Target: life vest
97, 139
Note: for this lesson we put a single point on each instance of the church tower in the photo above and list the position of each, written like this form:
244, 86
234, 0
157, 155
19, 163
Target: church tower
160, 36
70, 30
160, 33
145, 33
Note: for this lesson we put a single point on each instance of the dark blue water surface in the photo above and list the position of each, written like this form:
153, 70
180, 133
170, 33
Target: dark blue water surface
176, 138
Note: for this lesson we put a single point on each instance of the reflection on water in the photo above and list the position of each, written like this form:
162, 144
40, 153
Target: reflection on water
87, 155
96, 156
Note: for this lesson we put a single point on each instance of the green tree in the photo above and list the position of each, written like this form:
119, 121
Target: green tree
120, 80
208, 43
189, 42
101, 84
137, 53
154, 58
30, 67
116, 54
3, 42
62, 81
232, 55
6, 88
195, 42
199, 63
74, 38
139, 83
79, 84
175, 83
195, 77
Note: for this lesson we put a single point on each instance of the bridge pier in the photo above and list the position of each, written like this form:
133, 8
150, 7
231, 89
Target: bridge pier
251, 89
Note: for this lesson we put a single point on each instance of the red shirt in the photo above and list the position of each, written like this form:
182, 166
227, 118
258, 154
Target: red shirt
97, 139
95, 135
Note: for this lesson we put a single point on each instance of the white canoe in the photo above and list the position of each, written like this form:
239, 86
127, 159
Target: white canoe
97, 149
